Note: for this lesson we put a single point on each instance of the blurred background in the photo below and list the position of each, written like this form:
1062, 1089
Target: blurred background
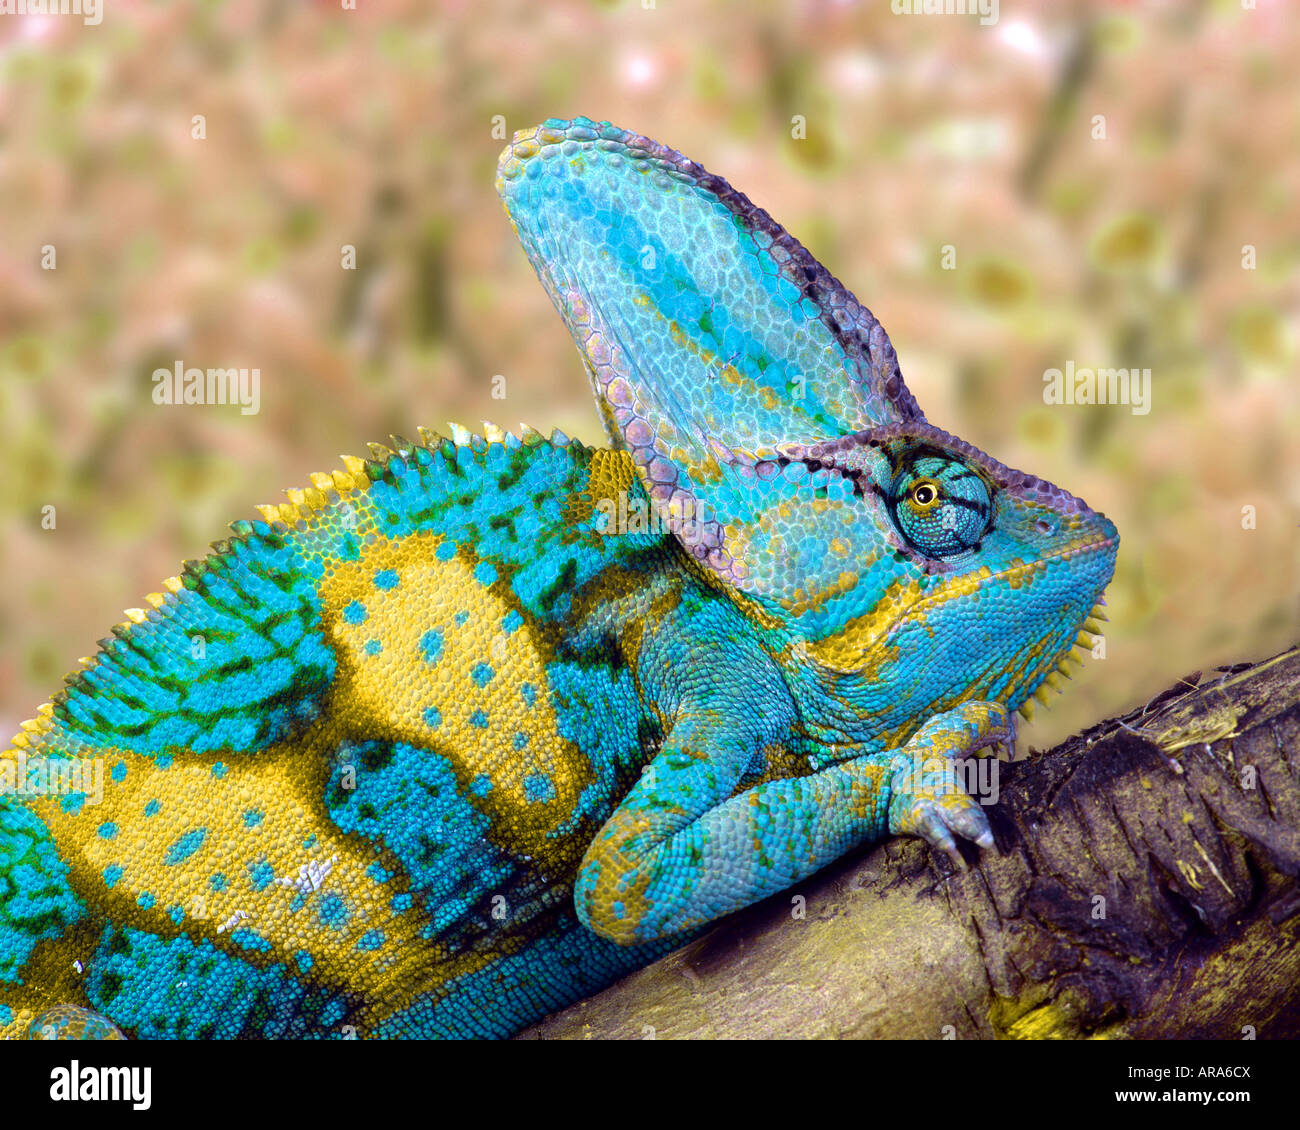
1108, 183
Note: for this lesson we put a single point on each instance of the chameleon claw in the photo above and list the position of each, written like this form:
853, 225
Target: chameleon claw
958, 860
929, 803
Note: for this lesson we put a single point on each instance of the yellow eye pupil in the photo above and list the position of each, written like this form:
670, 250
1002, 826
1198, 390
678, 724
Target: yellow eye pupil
925, 494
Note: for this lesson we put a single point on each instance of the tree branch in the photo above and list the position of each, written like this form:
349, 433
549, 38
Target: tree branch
1144, 886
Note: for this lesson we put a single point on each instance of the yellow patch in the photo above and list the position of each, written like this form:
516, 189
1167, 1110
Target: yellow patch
282, 783
609, 475
855, 647
49, 978
475, 674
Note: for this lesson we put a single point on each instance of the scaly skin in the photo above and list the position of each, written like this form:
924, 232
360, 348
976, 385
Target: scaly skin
465, 732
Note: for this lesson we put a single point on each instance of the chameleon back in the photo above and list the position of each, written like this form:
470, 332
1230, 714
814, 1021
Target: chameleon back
352, 762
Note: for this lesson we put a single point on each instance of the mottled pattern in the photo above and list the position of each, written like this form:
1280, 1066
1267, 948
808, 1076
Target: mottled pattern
469, 729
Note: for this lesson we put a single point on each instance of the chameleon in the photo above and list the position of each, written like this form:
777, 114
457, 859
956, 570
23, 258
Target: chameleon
473, 727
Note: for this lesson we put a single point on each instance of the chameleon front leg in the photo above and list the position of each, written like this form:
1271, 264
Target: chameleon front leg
681, 850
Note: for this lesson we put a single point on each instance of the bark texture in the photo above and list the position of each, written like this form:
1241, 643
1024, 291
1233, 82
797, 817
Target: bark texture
1143, 886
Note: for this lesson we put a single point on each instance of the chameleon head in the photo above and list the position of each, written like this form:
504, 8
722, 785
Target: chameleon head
972, 580
756, 395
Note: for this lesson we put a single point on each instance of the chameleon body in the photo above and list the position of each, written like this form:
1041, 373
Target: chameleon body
477, 725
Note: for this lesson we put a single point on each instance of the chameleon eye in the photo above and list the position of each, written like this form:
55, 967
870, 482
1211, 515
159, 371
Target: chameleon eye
941, 506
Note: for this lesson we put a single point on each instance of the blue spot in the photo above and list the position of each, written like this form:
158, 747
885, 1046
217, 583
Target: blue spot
72, 803
479, 720
373, 647
162, 761
529, 693
431, 645
485, 573
446, 551
146, 900
432, 717
153, 807
248, 939
376, 872
521, 739
118, 772
107, 830
482, 674
386, 579
460, 618
333, 912
219, 769
512, 621
401, 903
481, 785
112, 875
371, 940
310, 841
261, 875
355, 613
538, 787
303, 960
176, 913
253, 817
185, 847
218, 881
6, 1016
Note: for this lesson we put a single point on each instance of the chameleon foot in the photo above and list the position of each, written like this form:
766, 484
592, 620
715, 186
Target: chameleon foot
932, 805
926, 798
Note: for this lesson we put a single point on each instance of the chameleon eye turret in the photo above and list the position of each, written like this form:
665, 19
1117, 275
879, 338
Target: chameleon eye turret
941, 506
466, 730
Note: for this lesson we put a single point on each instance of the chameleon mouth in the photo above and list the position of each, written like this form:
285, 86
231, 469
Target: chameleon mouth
847, 651
1067, 553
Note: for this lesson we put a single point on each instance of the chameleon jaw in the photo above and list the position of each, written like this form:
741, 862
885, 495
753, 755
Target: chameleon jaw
1084, 642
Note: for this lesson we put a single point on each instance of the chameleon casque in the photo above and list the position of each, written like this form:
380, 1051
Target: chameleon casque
475, 726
